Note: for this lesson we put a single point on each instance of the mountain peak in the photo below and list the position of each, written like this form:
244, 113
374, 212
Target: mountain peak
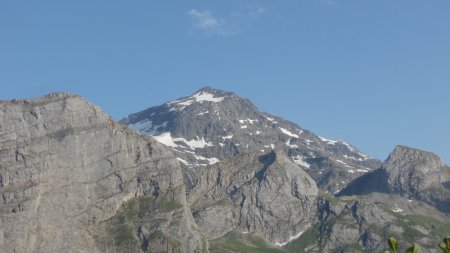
209, 89
407, 157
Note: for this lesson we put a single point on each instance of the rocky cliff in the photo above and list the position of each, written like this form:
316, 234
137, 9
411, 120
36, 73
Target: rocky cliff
73, 180
411, 173
266, 195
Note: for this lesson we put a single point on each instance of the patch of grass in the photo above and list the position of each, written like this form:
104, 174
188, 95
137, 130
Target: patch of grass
308, 238
234, 242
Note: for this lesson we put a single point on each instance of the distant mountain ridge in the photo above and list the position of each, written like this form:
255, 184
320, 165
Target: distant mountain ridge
213, 125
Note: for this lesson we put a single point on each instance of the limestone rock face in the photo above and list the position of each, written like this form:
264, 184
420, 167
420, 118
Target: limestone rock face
67, 170
410, 173
266, 195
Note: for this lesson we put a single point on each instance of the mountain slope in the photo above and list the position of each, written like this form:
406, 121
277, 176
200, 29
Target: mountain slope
410, 173
213, 125
73, 180
259, 194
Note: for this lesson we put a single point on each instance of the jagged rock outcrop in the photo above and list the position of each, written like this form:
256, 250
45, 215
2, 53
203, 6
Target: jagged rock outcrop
267, 195
73, 180
213, 125
411, 173
364, 223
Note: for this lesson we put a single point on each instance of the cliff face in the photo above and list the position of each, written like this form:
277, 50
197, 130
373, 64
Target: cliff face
74, 180
70, 177
410, 173
267, 195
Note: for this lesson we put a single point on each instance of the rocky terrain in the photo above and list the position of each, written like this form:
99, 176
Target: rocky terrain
212, 125
204, 173
73, 180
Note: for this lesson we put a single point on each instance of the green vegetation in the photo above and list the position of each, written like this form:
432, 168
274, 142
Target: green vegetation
444, 246
122, 227
234, 242
308, 238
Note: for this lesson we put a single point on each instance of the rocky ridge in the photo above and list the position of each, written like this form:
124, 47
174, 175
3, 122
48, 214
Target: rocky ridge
411, 173
266, 195
213, 125
67, 171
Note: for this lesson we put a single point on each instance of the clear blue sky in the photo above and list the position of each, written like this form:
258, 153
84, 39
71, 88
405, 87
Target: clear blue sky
375, 73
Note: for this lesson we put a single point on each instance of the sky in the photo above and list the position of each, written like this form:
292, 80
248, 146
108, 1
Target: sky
373, 73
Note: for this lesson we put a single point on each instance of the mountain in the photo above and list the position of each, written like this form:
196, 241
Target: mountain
411, 173
268, 195
231, 180
213, 125
74, 180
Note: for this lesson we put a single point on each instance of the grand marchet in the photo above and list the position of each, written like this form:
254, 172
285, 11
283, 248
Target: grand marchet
216, 173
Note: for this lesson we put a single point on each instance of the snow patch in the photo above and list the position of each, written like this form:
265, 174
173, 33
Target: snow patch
185, 103
193, 144
258, 132
300, 160
205, 96
202, 113
354, 158
212, 160
183, 161
328, 141
269, 118
166, 139
287, 132
244, 127
397, 210
288, 143
227, 137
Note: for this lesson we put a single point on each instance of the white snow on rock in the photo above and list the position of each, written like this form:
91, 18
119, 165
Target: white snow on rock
272, 146
328, 141
291, 238
397, 210
354, 158
212, 160
287, 132
198, 97
269, 118
166, 139
205, 96
288, 143
258, 132
183, 161
227, 137
186, 103
244, 127
202, 113
300, 160
193, 144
